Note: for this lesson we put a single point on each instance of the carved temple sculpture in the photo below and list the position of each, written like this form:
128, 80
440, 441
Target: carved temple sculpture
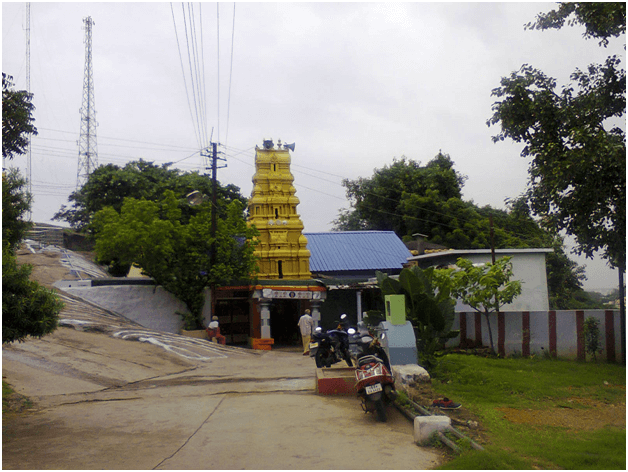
282, 248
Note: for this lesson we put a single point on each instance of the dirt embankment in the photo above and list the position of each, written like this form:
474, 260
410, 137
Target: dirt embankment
47, 268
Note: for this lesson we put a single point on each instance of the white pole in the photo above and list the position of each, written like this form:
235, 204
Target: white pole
358, 296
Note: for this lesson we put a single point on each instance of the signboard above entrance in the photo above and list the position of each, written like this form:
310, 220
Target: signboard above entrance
294, 294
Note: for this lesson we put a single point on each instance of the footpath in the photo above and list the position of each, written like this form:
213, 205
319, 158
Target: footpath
109, 394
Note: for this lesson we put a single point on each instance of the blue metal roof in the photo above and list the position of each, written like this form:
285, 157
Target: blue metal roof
356, 250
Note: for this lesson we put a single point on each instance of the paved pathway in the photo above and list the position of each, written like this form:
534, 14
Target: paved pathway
111, 394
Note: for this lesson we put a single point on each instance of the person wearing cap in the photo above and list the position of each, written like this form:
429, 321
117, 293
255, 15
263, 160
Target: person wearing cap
306, 323
213, 331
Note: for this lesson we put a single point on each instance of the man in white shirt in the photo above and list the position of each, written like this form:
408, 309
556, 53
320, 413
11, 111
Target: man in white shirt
305, 324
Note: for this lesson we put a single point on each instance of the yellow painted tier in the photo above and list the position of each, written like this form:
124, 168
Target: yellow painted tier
282, 248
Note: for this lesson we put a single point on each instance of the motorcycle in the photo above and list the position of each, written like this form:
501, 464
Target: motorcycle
330, 347
375, 384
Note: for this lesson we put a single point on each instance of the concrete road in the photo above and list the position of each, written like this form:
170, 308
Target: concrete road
127, 398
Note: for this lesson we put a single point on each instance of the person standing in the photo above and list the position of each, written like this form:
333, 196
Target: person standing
305, 324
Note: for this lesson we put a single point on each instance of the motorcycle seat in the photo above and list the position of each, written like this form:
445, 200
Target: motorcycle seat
368, 360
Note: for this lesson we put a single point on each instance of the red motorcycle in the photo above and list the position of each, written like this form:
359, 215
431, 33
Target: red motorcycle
375, 383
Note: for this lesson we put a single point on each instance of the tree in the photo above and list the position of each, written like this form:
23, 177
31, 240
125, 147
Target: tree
591, 332
409, 198
17, 119
578, 168
15, 203
429, 307
175, 251
28, 309
485, 287
378, 202
109, 185
454, 223
601, 20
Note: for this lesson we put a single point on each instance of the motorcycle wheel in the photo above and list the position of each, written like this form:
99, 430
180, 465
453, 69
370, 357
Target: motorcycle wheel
319, 359
380, 409
347, 357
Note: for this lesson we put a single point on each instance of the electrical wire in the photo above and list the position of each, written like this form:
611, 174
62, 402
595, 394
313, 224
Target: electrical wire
218, 69
187, 94
193, 87
114, 139
204, 94
239, 152
198, 74
230, 75
524, 238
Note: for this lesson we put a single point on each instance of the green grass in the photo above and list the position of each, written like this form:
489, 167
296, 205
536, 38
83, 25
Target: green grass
483, 385
7, 392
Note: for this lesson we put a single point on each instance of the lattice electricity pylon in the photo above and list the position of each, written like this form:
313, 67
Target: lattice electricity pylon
88, 152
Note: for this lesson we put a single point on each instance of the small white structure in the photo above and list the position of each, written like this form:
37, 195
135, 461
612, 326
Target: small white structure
528, 266
425, 426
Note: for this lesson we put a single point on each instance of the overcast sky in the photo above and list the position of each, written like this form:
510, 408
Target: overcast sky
354, 85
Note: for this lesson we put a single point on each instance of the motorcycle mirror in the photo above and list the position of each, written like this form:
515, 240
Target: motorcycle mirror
351, 331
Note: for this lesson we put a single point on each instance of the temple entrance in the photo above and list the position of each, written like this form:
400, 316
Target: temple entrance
284, 317
233, 316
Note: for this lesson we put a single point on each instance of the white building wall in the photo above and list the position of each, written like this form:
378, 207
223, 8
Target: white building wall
149, 305
529, 268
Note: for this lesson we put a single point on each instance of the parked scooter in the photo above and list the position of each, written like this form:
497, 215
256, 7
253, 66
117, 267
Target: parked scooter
330, 347
375, 383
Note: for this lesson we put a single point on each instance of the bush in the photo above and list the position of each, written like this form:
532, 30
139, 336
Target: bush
592, 343
28, 309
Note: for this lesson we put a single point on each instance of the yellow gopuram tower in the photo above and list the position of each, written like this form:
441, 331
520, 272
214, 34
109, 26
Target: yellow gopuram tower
282, 248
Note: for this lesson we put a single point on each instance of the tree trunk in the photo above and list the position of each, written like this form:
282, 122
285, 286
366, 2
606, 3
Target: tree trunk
490, 332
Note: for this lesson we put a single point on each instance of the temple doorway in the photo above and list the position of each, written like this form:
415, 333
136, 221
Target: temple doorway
233, 316
284, 319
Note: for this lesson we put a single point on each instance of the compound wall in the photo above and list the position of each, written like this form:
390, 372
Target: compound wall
552, 333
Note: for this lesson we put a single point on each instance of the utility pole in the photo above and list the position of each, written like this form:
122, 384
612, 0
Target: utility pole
88, 154
490, 220
500, 320
29, 159
214, 215
214, 191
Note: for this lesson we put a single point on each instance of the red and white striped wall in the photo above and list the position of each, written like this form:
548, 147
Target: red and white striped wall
559, 333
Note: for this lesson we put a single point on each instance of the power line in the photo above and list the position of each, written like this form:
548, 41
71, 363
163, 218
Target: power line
218, 68
114, 139
193, 86
230, 74
198, 73
187, 94
378, 210
204, 99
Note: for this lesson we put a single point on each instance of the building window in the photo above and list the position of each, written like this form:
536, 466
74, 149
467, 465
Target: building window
276, 213
280, 269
